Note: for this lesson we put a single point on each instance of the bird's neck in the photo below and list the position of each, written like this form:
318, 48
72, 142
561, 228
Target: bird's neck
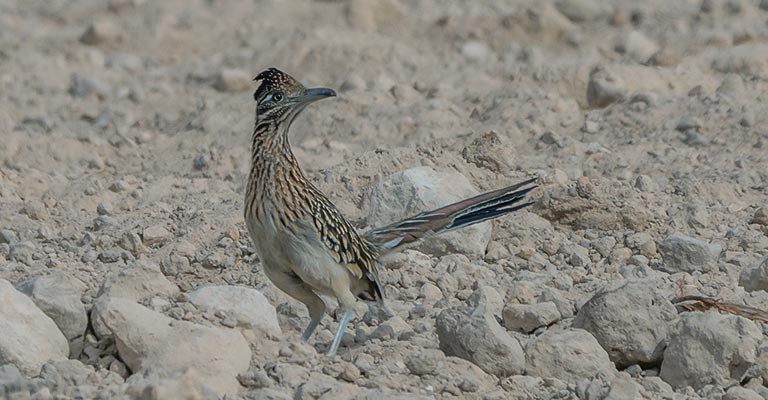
275, 176
270, 147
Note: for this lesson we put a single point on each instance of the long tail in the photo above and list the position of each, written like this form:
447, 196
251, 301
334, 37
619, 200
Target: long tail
451, 217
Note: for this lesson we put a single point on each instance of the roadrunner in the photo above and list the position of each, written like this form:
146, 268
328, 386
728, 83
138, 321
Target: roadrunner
307, 248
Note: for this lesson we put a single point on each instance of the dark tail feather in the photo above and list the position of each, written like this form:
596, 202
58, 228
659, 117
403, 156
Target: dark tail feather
451, 217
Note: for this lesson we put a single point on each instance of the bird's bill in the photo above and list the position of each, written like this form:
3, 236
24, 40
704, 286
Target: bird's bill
315, 94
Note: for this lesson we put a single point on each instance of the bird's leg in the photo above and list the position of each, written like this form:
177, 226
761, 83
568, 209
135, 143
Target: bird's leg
347, 301
316, 309
292, 285
310, 328
340, 332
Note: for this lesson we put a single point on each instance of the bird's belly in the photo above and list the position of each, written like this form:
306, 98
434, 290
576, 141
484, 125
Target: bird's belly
299, 251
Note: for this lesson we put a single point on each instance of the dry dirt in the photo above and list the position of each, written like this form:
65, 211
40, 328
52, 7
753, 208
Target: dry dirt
124, 137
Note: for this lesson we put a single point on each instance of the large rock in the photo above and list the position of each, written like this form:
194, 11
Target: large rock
182, 386
569, 355
11, 380
248, 306
741, 393
134, 283
529, 317
756, 277
478, 338
630, 320
58, 296
687, 254
604, 87
710, 348
64, 373
152, 344
414, 190
28, 337
424, 361
623, 387
486, 299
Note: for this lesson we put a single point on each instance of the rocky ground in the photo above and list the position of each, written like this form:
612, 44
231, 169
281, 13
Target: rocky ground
126, 272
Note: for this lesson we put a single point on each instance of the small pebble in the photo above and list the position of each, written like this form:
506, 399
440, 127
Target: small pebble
686, 123
644, 183
475, 51
104, 208
760, 217
100, 32
200, 161
350, 372
550, 137
155, 235
747, 120
8, 236
430, 293
591, 126
119, 186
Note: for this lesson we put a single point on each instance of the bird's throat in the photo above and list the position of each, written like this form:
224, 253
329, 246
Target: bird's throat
275, 179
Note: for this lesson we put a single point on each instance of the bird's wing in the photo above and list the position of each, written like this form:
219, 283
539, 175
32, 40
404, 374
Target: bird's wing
344, 244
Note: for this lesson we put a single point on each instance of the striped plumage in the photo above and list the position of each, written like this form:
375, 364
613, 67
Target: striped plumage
306, 246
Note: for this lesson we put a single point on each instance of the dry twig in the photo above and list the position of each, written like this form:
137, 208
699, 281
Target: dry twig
699, 303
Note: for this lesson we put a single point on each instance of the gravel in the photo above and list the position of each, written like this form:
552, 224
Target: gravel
126, 129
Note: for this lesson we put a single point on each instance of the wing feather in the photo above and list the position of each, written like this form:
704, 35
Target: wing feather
345, 245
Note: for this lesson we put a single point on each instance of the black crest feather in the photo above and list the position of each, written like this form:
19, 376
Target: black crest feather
272, 78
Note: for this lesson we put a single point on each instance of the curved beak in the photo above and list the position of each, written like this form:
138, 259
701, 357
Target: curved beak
315, 94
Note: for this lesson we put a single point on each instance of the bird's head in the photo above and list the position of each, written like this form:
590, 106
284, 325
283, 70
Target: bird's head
280, 97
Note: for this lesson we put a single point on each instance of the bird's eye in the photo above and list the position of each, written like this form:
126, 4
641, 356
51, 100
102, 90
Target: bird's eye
272, 97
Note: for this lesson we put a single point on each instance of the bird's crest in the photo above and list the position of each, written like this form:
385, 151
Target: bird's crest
272, 79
